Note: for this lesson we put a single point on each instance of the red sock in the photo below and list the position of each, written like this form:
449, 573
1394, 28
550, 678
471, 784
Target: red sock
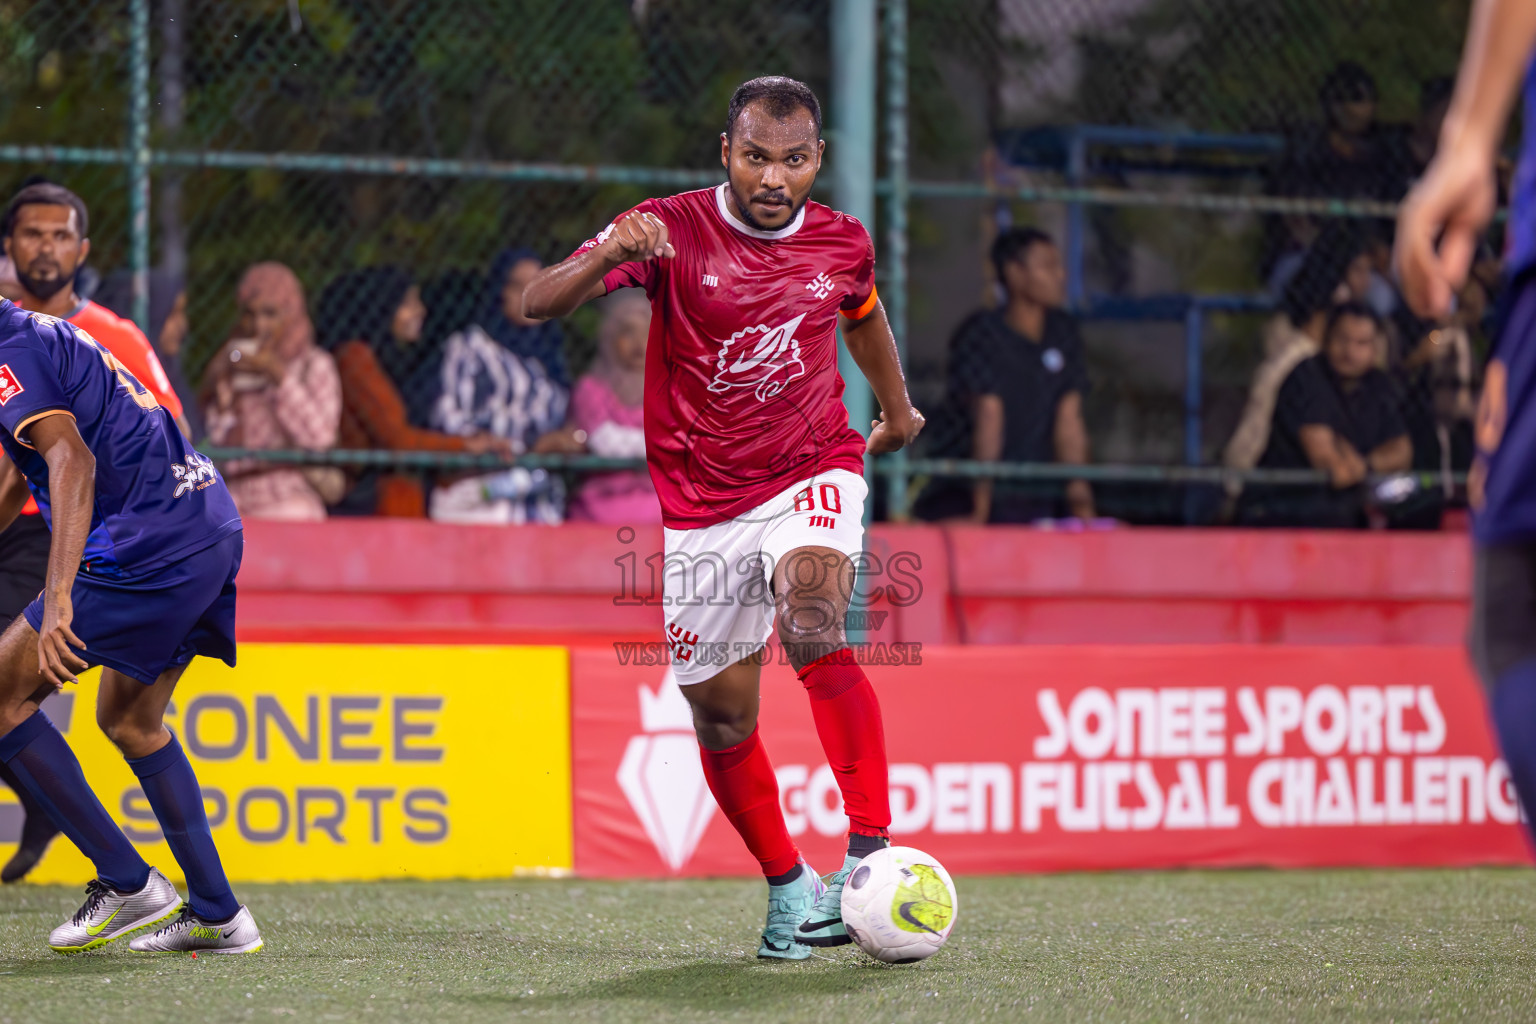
847, 715
742, 779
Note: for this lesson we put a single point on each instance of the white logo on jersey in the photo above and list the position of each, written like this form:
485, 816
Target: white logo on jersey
772, 362
10, 387
602, 236
195, 475
710, 280
821, 287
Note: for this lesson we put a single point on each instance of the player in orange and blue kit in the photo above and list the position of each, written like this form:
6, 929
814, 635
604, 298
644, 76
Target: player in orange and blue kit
1438, 231
145, 547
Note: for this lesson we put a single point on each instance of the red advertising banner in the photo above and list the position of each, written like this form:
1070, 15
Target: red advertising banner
1066, 758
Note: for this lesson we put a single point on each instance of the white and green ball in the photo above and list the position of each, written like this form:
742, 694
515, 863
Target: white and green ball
899, 905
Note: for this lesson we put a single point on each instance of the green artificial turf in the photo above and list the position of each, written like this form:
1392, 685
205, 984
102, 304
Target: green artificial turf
1238, 945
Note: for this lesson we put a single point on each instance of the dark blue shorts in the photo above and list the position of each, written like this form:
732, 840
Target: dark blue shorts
164, 618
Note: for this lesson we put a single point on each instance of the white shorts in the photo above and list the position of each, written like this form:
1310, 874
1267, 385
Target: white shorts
717, 581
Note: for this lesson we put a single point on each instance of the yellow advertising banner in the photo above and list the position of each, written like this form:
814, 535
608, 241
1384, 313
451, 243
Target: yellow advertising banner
323, 762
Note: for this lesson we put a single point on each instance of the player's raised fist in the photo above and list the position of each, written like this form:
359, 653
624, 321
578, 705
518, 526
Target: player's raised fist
637, 237
891, 433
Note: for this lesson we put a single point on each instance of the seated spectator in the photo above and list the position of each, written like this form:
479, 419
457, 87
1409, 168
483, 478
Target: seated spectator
1435, 381
1433, 372
1349, 156
502, 315
607, 409
168, 326
1017, 376
1336, 412
452, 299
486, 387
1330, 274
272, 387
372, 321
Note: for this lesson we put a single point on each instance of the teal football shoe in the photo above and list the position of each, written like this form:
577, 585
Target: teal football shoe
823, 926
788, 905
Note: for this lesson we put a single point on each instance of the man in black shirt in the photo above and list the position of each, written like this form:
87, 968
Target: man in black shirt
1017, 376
1338, 413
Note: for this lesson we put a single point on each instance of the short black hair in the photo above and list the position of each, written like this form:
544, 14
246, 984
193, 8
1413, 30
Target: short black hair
45, 193
1351, 308
1347, 82
1012, 244
780, 97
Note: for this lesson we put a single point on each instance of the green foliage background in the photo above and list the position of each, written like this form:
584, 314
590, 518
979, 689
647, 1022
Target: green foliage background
633, 82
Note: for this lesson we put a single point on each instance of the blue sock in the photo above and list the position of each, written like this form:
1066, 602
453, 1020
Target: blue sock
177, 801
47, 768
1514, 715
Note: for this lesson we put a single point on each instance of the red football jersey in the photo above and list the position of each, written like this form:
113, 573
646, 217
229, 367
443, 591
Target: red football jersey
742, 393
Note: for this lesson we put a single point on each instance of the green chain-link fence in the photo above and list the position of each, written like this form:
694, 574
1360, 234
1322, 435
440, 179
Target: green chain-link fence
1185, 155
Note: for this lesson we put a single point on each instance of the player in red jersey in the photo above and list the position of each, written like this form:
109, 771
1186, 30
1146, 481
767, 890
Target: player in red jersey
759, 473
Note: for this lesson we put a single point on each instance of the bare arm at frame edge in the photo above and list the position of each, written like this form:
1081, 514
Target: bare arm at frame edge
1442, 218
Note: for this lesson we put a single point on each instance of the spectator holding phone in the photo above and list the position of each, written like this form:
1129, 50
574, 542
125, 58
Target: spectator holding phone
272, 387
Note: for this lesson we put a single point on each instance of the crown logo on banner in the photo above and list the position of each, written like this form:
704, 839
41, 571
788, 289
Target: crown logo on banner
661, 775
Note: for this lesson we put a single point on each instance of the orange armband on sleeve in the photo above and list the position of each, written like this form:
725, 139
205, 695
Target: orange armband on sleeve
865, 309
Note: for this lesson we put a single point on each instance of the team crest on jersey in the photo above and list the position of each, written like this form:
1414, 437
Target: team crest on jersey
10, 387
195, 475
761, 358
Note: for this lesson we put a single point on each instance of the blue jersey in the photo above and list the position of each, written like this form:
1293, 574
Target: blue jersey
1506, 430
1521, 250
157, 500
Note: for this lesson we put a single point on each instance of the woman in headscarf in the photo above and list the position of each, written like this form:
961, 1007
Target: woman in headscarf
272, 387
607, 408
502, 315
372, 321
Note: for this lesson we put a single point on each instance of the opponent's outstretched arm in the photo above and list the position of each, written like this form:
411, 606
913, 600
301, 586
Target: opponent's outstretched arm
873, 347
557, 290
1445, 213
71, 494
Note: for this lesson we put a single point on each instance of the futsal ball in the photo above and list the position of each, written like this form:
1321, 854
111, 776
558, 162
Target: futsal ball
899, 905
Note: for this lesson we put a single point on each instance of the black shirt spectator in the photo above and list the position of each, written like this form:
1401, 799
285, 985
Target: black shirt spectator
1348, 156
1338, 413
1017, 376
1031, 376
1365, 415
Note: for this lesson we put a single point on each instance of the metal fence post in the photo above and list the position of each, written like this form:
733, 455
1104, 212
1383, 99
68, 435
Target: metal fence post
855, 27
854, 30
895, 255
138, 166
